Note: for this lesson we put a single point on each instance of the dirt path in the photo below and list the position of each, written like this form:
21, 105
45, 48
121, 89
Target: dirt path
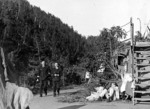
50, 102
115, 105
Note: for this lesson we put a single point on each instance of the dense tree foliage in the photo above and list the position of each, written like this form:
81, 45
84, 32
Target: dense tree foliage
29, 34
36, 33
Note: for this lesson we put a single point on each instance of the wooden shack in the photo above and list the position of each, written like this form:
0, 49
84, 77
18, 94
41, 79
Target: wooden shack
138, 60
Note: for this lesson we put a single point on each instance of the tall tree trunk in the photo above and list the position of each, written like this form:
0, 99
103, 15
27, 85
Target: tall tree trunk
4, 64
37, 44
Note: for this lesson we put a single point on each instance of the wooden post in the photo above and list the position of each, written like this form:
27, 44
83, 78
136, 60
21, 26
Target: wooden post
4, 64
132, 44
132, 32
132, 51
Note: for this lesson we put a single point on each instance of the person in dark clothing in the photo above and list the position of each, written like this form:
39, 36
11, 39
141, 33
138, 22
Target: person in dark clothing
43, 76
49, 77
56, 79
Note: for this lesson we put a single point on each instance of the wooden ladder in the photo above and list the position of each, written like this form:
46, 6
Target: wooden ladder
141, 75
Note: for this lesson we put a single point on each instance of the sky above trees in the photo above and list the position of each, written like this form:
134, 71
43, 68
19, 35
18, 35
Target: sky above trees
88, 17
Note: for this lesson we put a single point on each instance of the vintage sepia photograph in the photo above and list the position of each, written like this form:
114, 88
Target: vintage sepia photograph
74, 54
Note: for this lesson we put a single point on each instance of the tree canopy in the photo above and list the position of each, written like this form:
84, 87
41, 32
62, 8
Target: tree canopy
29, 34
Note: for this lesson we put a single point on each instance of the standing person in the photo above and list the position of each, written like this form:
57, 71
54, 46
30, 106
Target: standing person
87, 76
124, 80
49, 75
56, 78
43, 75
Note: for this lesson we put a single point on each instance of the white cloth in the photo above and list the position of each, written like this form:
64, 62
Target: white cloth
104, 93
43, 63
127, 78
101, 92
18, 96
125, 68
95, 95
117, 93
111, 91
99, 89
87, 75
101, 69
23, 97
133, 85
114, 92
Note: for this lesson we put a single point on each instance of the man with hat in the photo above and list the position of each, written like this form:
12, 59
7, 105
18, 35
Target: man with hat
56, 78
43, 76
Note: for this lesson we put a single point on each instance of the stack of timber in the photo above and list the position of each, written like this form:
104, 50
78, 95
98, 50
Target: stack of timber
141, 74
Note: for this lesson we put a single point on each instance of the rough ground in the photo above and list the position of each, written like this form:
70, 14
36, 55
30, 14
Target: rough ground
50, 102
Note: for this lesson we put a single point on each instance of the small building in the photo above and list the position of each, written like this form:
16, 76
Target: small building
120, 56
138, 59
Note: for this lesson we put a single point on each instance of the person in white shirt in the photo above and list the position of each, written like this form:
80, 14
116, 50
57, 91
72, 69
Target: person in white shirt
43, 63
126, 77
87, 76
113, 92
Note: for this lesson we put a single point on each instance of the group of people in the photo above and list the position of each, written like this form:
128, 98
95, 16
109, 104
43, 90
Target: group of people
111, 91
50, 72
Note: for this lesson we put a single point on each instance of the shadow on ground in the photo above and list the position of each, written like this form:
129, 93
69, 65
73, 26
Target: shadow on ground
72, 107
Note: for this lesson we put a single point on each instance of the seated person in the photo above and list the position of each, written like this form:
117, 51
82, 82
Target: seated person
95, 95
100, 93
110, 91
113, 92
104, 92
